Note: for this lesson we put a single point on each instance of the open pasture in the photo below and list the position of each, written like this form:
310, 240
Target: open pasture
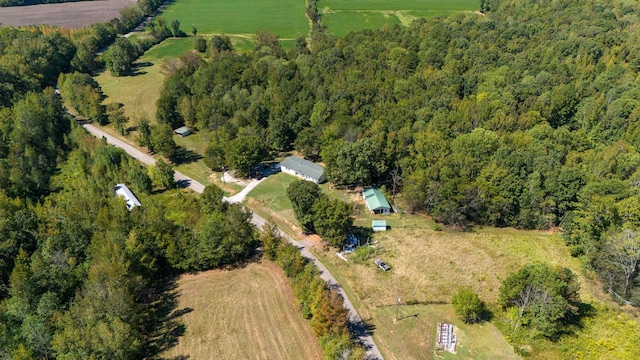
285, 18
245, 313
66, 15
413, 335
140, 92
343, 16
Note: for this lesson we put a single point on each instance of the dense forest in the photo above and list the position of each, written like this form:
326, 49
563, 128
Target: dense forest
524, 116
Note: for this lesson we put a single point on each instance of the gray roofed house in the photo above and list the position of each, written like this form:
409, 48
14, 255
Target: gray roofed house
123, 191
376, 202
303, 168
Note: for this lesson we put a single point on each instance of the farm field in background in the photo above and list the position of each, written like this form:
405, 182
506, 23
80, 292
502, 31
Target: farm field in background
343, 16
67, 15
285, 18
245, 313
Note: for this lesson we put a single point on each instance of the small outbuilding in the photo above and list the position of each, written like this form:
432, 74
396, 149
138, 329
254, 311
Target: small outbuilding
376, 202
303, 168
123, 191
183, 131
379, 225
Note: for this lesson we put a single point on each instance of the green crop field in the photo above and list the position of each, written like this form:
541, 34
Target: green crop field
285, 18
343, 16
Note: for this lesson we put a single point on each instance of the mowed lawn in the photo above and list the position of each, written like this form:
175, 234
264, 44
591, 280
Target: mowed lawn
246, 313
343, 16
269, 199
430, 265
285, 18
413, 335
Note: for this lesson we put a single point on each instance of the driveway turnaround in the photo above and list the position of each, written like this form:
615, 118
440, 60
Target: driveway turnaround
373, 353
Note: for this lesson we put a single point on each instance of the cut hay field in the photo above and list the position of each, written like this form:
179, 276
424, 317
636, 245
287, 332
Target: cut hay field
246, 313
343, 16
285, 18
67, 15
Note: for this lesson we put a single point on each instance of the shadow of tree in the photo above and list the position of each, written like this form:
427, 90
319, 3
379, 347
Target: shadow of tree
162, 327
137, 67
362, 233
362, 328
185, 156
182, 184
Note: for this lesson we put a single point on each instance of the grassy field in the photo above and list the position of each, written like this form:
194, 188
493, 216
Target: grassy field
414, 334
428, 265
343, 16
140, 92
271, 197
246, 313
285, 18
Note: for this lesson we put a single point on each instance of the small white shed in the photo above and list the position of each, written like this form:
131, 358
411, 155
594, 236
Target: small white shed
379, 225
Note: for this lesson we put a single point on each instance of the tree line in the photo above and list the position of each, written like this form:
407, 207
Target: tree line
317, 213
322, 306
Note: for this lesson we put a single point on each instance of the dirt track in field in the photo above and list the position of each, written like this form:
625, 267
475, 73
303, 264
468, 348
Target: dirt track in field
68, 15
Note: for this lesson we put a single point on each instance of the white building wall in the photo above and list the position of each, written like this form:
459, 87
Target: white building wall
294, 173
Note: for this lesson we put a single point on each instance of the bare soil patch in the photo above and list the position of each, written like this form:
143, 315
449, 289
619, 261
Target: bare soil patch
67, 15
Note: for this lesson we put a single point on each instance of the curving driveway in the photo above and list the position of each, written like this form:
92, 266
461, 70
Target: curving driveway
373, 353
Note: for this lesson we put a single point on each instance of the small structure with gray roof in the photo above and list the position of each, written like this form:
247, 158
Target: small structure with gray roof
304, 169
183, 131
376, 202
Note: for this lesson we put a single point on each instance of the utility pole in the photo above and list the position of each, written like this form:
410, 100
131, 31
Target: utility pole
397, 307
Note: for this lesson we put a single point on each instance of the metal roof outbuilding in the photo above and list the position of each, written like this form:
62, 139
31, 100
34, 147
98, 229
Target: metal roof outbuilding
376, 202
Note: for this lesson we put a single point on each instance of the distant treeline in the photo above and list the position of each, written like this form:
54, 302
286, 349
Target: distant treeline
5, 3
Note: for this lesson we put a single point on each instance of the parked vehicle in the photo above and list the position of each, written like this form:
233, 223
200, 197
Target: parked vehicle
382, 265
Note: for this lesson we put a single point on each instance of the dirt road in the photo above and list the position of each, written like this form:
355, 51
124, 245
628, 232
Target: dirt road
373, 352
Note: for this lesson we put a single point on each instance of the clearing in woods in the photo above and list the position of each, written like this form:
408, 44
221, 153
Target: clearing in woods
245, 313
140, 92
343, 16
